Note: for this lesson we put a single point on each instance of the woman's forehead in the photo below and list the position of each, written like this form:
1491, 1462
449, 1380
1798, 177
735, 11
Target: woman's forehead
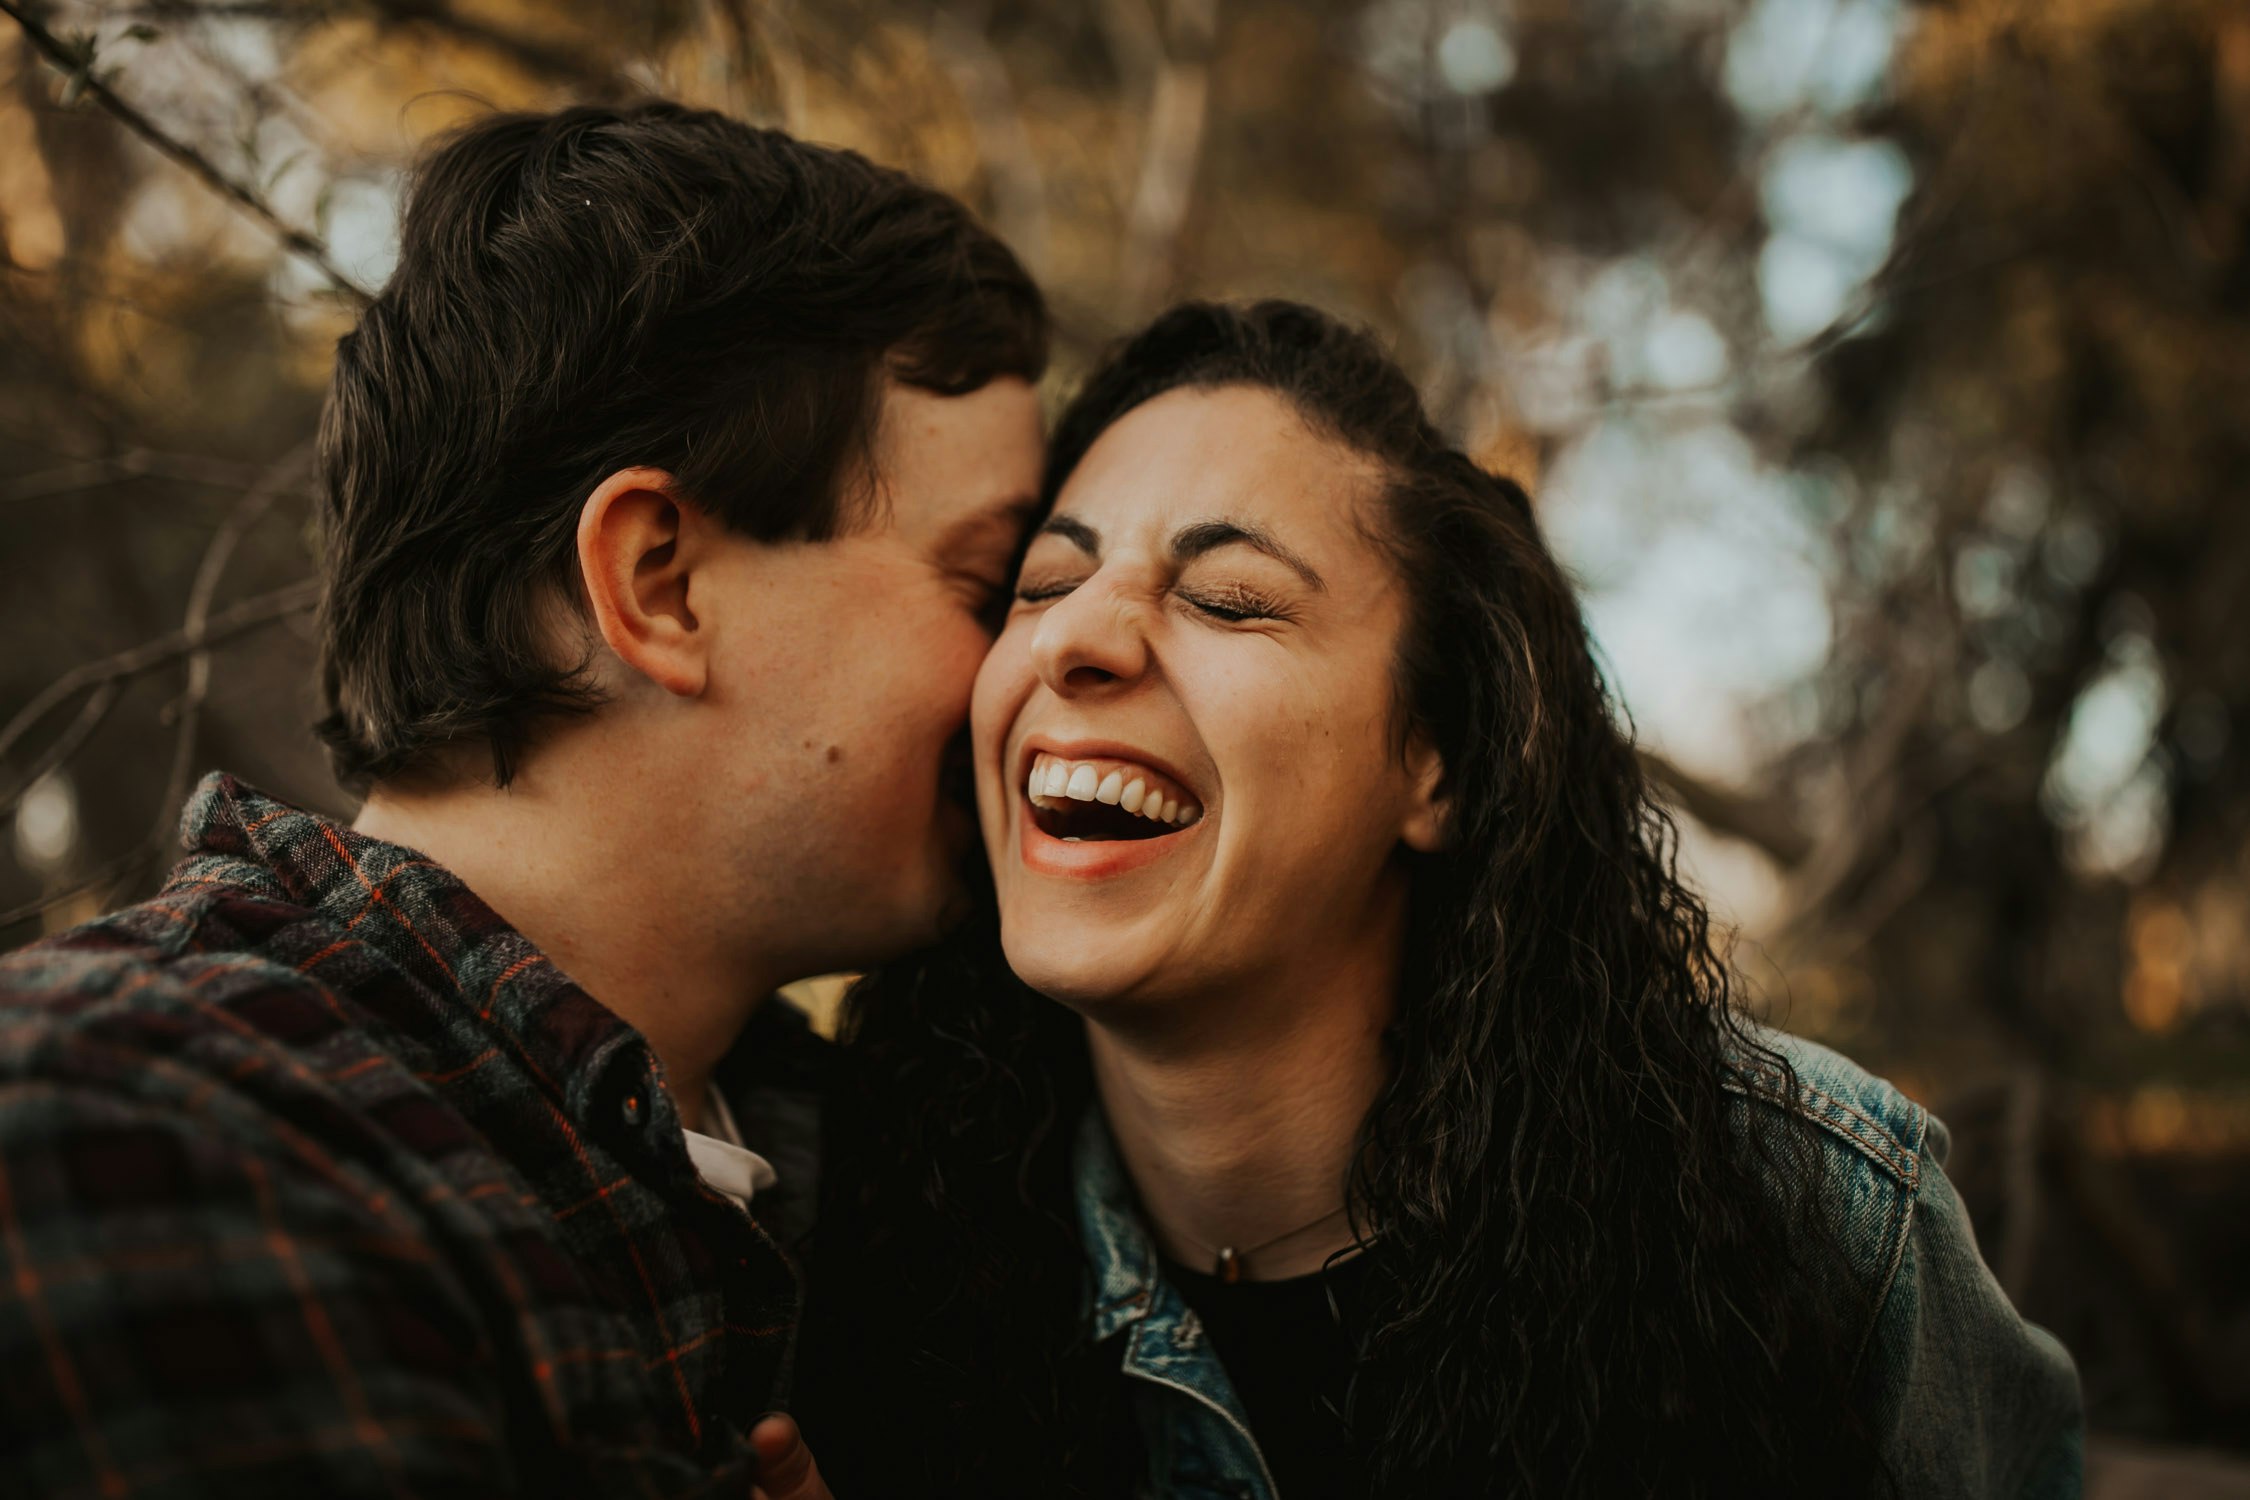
1230, 452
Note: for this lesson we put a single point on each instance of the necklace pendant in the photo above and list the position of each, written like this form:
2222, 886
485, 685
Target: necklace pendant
1228, 1267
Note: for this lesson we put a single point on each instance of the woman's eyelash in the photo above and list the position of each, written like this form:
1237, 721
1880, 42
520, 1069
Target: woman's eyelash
1231, 605
1234, 605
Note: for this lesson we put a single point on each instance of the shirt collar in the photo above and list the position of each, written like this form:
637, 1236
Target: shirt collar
421, 918
720, 1156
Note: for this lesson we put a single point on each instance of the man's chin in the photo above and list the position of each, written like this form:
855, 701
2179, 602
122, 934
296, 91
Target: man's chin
956, 895
965, 878
954, 891
957, 908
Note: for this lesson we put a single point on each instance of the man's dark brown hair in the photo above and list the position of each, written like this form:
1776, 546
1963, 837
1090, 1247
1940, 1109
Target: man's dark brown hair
591, 290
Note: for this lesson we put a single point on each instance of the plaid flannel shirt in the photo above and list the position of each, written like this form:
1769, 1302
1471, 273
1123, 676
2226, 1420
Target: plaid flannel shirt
317, 1178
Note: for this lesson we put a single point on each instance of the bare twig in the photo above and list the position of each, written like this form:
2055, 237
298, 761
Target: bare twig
1019, 190
132, 463
764, 44
107, 874
91, 713
522, 48
247, 615
1890, 886
1172, 150
526, 50
1763, 822
297, 241
224, 10
1868, 799
2019, 1148
188, 711
193, 639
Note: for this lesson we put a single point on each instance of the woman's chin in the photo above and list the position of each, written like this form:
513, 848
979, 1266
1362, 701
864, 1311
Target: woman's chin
1080, 970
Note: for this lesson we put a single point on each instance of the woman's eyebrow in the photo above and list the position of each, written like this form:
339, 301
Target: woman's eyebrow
1085, 538
1191, 542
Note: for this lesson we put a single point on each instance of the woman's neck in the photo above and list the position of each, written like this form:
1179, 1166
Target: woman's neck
1244, 1139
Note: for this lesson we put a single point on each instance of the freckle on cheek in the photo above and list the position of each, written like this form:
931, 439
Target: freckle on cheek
835, 754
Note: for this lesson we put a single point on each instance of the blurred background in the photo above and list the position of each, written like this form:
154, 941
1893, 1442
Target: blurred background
1881, 370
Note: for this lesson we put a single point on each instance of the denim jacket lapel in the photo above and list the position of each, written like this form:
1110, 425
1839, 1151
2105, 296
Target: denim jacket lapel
1198, 1436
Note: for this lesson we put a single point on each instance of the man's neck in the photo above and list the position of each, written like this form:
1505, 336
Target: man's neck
592, 886
1243, 1139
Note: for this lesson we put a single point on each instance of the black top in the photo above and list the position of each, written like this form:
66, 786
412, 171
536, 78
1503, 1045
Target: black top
1288, 1348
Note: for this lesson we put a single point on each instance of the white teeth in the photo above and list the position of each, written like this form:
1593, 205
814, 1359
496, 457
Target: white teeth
1068, 839
1053, 778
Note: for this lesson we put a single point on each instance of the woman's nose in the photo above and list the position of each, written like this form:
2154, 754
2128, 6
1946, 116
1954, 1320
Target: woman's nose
1088, 639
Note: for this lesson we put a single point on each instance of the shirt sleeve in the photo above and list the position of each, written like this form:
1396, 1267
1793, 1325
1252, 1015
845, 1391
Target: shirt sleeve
184, 1310
1971, 1399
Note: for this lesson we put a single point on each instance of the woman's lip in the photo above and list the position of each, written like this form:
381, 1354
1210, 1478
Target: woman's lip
1037, 745
1044, 854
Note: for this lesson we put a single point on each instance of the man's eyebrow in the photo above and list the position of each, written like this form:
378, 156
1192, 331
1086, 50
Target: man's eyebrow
1004, 518
1191, 542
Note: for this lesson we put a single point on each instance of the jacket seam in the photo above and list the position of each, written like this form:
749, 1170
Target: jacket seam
1816, 1092
1886, 1148
1901, 1230
1139, 1371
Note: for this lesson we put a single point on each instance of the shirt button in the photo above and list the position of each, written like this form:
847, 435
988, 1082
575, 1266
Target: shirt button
634, 1109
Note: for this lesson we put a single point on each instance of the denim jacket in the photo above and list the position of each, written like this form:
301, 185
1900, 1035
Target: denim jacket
1969, 1399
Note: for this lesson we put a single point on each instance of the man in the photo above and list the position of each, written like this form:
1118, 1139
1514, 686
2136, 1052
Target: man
668, 489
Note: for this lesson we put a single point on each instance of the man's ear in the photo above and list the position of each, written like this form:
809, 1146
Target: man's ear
639, 549
1429, 810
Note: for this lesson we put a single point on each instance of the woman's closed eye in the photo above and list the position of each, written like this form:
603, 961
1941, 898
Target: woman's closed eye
1231, 603
1040, 592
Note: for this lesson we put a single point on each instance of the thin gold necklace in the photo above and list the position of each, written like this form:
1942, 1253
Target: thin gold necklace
1227, 1262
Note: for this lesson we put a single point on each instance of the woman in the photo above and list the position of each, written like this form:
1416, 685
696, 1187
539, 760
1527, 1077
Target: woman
1348, 1098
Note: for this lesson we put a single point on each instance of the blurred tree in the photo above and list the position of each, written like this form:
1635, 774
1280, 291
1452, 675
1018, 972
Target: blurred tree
1883, 370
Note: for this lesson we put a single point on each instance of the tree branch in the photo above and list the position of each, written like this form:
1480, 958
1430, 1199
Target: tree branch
188, 711
519, 47
1172, 149
116, 869
132, 463
249, 614
522, 48
78, 64
1019, 191
1760, 821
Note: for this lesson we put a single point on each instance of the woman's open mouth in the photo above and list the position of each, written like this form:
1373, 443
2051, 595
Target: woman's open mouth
1106, 801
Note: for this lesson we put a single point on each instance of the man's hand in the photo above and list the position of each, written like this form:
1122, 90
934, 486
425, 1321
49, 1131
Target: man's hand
786, 1470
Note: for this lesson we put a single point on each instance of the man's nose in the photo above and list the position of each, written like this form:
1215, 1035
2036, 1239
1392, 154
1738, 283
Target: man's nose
1091, 638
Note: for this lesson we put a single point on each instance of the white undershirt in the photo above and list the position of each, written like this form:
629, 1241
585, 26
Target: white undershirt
721, 1159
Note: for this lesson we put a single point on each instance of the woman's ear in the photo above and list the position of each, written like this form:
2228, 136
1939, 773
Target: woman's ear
1429, 809
639, 545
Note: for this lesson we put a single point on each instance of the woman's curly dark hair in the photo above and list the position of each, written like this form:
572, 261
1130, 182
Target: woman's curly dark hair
1598, 1270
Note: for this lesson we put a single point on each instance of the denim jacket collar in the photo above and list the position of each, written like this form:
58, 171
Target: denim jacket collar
1193, 1423
1955, 1381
